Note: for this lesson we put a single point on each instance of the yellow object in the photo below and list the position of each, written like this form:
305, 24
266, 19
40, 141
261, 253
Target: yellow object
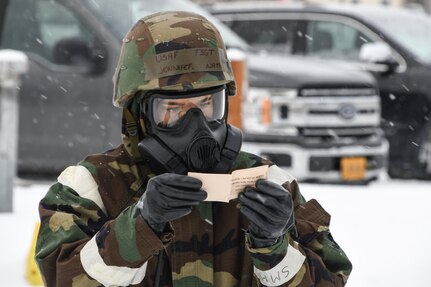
32, 271
353, 168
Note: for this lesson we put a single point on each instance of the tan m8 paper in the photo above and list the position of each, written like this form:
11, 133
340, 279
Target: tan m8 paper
225, 187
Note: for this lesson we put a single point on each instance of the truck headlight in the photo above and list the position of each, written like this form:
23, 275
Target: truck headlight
264, 105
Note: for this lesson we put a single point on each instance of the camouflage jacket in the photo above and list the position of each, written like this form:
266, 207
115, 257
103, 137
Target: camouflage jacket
92, 235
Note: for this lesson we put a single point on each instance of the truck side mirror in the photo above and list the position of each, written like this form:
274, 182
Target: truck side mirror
78, 52
378, 57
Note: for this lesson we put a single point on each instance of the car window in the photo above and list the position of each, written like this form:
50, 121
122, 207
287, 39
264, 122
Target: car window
272, 35
410, 30
43, 27
334, 40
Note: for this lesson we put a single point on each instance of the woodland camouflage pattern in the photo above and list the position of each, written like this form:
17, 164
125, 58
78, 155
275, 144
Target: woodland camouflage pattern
208, 247
161, 53
205, 248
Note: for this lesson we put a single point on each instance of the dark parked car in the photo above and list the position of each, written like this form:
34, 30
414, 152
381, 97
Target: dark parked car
393, 44
65, 103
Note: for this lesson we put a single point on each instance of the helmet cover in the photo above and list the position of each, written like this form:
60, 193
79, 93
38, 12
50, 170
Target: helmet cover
171, 51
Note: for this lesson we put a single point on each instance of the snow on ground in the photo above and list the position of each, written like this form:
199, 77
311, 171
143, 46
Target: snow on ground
384, 228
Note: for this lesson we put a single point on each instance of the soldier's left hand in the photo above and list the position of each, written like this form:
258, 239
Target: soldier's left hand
269, 209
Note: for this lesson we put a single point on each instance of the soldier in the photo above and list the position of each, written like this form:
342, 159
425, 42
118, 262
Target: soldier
132, 217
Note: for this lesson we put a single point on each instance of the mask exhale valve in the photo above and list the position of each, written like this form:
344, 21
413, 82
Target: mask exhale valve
203, 153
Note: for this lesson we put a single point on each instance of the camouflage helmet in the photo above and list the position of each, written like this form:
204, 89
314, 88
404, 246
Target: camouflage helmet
177, 51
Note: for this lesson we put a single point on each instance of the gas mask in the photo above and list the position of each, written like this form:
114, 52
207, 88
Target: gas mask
188, 132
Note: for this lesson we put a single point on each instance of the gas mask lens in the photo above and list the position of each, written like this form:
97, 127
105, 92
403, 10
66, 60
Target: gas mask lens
169, 110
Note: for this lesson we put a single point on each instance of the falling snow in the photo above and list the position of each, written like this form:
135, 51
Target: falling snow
405, 88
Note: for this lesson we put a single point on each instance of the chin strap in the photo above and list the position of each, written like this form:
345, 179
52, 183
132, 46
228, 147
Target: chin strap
131, 133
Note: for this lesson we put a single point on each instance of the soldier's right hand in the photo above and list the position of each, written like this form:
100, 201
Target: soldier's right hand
168, 197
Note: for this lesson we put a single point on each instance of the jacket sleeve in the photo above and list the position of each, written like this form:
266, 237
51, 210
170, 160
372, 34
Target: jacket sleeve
79, 245
307, 255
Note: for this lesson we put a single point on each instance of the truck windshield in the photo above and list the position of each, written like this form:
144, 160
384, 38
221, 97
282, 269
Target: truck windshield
412, 31
119, 16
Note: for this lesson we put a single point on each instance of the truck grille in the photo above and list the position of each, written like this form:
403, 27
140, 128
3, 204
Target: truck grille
351, 135
338, 132
325, 117
342, 109
344, 92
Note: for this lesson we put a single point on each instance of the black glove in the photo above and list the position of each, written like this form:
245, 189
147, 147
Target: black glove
268, 208
169, 196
